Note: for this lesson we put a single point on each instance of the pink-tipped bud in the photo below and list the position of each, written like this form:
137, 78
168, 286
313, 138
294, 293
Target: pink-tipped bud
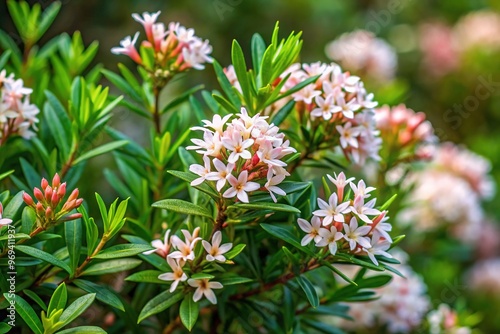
61, 191
39, 208
44, 183
38, 194
78, 203
255, 159
379, 218
56, 181
55, 199
68, 206
72, 217
74, 195
27, 199
48, 193
48, 212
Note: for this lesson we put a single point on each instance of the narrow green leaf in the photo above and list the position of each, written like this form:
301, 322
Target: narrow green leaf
73, 234
180, 206
235, 251
58, 299
147, 276
108, 147
35, 298
103, 210
265, 206
102, 293
287, 236
76, 308
202, 276
309, 290
59, 124
160, 303
119, 251
388, 202
83, 330
189, 311
226, 85
233, 280
24, 309
110, 267
39, 254
283, 113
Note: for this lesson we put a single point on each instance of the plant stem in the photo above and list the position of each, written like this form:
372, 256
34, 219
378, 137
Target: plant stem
156, 111
79, 270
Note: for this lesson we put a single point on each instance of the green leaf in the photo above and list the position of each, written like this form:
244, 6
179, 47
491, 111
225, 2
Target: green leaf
234, 279
180, 206
309, 290
73, 234
119, 251
160, 303
103, 210
14, 207
146, 276
258, 49
48, 17
4, 58
287, 236
76, 308
388, 202
189, 311
226, 85
58, 299
58, 123
15, 236
108, 147
240, 68
265, 206
24, 309
83, 330
283, 113
235, 251
39, 254
103, 294
35, 298
112, 266
202, 276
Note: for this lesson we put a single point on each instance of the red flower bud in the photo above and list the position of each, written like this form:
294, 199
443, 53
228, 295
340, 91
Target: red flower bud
255, 159
48, 193
48, 212
27, 199
39, 208
73, 196
55, 199
61, 191
56, 181
72, 217
44, 183
38, 194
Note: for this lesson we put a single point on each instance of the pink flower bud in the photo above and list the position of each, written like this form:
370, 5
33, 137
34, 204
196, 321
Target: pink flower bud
55, 199
78, 203
44, 183
39, 208
48, 212
61, 191
255, 159
74, 195
68, 206
27, 199
56, 181
38, 194
72, 217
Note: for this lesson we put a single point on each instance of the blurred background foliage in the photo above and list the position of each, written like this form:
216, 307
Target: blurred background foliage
322, 21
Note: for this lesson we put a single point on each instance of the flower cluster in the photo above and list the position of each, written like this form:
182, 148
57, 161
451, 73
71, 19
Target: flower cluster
483, 277
443, 47
180, 256
17, 114
361, 52
341, 101
3, 221
401, 307
175, 48
406, 130
241, 156
432, 204
349, 224
48, 208
444, 320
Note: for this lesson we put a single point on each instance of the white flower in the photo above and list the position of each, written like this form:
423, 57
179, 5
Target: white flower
377, 248
216, 250
331, 211
204, 287
348, 135
4, 221
312, 230
177, 275
272, 182
361, 189
223, 172
237, 146
197, 54
185, 249
190, 237
161, 247
356, 235
362, 210
324, 107
200, 170
217, 123
270, 155
349, 107
127, 46
329, 237
306, 94
210, 145
147, 19
240, 186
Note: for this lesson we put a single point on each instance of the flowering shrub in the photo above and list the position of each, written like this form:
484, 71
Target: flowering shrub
223, 215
